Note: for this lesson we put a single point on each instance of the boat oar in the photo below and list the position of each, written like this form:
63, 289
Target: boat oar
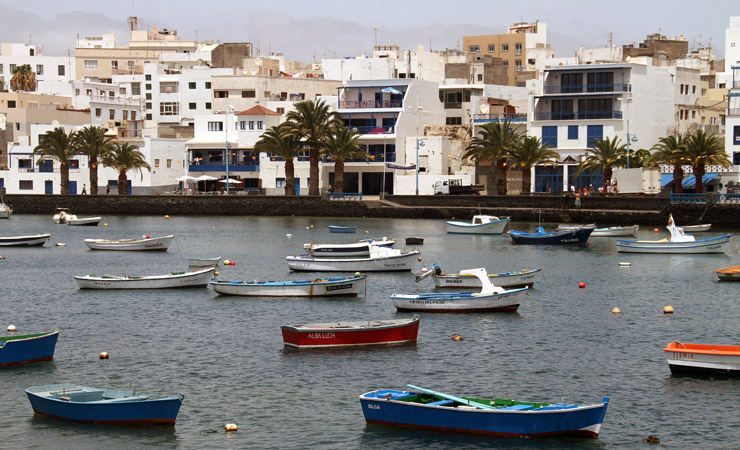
451, 397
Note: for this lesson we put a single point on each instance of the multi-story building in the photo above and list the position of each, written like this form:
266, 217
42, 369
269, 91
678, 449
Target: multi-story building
523, 49
732, 136
53, 73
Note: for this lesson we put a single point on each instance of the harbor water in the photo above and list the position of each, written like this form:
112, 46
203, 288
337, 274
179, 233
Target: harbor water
227, 356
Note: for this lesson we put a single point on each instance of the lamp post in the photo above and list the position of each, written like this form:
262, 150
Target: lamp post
229, 110
418, 110
633, 138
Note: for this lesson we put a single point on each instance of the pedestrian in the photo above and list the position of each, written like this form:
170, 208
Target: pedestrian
590, 189
107, 189
578, 199
84, 189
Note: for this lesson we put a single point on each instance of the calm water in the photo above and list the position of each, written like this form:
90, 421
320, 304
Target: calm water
226, 353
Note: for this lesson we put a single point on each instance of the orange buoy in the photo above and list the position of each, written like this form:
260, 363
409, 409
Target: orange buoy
166, 217
104, 355
457, 337
668, 309
419, 259
582, 285
656, 230
616, 310
231, 427
215, 272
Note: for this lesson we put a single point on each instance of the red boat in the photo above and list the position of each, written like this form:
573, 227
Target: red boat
346, 334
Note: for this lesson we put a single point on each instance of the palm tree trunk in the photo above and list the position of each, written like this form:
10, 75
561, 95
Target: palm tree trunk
289, 177
313, 171
501, 185
122, 183
526, 180
677, 179
93, 176
608, 174
339, 176
699, 171
64, 171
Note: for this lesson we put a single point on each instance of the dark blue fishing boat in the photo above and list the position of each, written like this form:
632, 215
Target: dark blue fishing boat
98, 405
576, 236
338, 229
27, 348
426, 409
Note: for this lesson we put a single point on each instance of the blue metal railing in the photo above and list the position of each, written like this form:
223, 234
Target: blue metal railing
512, 117
220, 167
688, 198
728, 199
578, 115
588, 88
356, 196
370, 104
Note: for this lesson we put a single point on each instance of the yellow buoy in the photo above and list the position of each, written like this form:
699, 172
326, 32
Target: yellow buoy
104, 355
226, 262
105, 224
11, 328
166, 217
668, 309
358, 274
457, 337
231, 427
616, 310
215, 272
419, 259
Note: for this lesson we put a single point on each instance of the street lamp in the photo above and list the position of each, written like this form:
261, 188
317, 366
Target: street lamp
229, 110
418, 110
633, 138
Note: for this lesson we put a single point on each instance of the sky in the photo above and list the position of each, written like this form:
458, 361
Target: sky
311, 30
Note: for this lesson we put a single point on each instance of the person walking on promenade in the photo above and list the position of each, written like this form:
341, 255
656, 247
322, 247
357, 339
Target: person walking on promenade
107, 189
84, 189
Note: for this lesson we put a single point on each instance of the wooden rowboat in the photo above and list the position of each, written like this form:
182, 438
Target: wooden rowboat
322, 287
28, 348
350, 334
703, 358
145, 244
198, 278
381, 259
731, 273
28, 241
516, 279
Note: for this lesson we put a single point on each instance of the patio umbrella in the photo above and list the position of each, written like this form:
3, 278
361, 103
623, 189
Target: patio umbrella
185, 178
231, 181
205, 178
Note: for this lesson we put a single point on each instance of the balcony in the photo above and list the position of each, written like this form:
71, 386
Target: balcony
370, 104
733, 112
129, 70
373, 130
453, 105
218, 166
587, 88
578, 115
511, 117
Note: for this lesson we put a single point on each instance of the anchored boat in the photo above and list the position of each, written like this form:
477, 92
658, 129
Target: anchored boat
36, 240
320, 287
481, 224
517, 279
361, 248
381, 259
576, 236
703, 359
350, 334
145, 244
678, 242
197, 278
27, 348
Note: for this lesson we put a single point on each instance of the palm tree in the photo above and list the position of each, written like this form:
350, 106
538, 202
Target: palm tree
340, 144
124, 157
495, 141
704, 148
638, 158
671, 150
526, 154
57, 144
605, 154
311, 122
93, 142
279, 141
23, 79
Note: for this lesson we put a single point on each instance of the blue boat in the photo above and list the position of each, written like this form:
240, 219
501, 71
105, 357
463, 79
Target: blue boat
338, 229
576, 236
426, 409
27, 348
98, 405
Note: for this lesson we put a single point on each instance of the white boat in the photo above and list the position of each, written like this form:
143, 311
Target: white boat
5, 210
198, 278
204, 262
481, 224
321, 287
678, 242
30, 241
697, 228
703, 359
615, 231
491, 298
361, 248
144, 244
731, 273
573, 226
521, 278
73, 220
381, 259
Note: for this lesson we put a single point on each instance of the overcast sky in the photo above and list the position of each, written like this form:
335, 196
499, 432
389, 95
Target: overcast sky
328, 28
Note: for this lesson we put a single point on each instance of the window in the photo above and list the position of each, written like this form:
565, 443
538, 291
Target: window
480, 77
1, 69
148, 87
693, 114
251, 124
281, 110
169, 109
732, 44
148, 105
168, 87
491, 48
259, 124
169, 163
114, 64
39, 69
25, 185
208, 84
156, 162
506, 63
98, 112
133, 115
474, 49
135, 88
550, 136
572, 132
594, 132
453, 121
504, 47
279, 182
693, 89
149, 116
12, 68
249, 94
111, 114
191, 105
27, 164
11, 103
191, 85
208, 105
148, 95
60, 70
215, 126
125, 114
90, 64
518, 65
221, 94
518, 49
736, 135
148, 77
131, 65
241, 125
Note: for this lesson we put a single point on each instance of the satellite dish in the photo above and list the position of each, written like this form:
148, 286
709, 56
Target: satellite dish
420, 47
258, 61
484, 109
634, 138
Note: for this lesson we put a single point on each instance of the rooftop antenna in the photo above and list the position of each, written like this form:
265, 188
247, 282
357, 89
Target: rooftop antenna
375, 30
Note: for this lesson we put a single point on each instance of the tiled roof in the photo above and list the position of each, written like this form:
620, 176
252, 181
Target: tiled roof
258, 111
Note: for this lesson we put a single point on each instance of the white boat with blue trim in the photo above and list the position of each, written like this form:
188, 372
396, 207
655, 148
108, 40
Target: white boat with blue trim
616, 231
678, 242
381, 259
319, 287
481, 224
516, 279
197, 278
361, 248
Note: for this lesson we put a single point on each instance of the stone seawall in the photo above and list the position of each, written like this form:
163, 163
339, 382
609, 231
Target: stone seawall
601, 210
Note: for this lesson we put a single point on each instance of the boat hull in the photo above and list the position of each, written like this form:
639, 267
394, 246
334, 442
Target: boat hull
152, 244
697, 228
24, 241
577, 236
346, 250
344, 287
580, 420
135, 412
397, 263
204, 262
338, 229
711, 245
196, 279
616, 231
701, 359
508, 301
522, 278
728, 273
28, 348
495, 227
351, 334
84, 222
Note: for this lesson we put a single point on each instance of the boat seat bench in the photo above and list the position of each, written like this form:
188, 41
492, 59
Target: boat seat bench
441, 403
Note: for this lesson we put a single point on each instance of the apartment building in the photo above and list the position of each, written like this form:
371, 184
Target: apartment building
53, 73
732, 136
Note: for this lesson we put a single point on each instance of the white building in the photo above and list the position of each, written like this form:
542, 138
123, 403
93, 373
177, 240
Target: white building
53, 73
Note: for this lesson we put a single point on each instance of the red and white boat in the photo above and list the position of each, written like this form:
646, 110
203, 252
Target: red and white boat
703, 358
347, 334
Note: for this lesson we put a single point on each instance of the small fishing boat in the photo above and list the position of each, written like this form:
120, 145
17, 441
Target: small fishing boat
144, 244
204, 262
198, 278
361, 248
481, 224
27, 348
521, 278
351, 334
414, 241
433, 410
320, 287
381, 259
678, 242
100, 405
616, 231
338, 229
697, 228
576, 236
703, 358
75, 221
490, 299
731, 273
36, 240
573, 226
5, 210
